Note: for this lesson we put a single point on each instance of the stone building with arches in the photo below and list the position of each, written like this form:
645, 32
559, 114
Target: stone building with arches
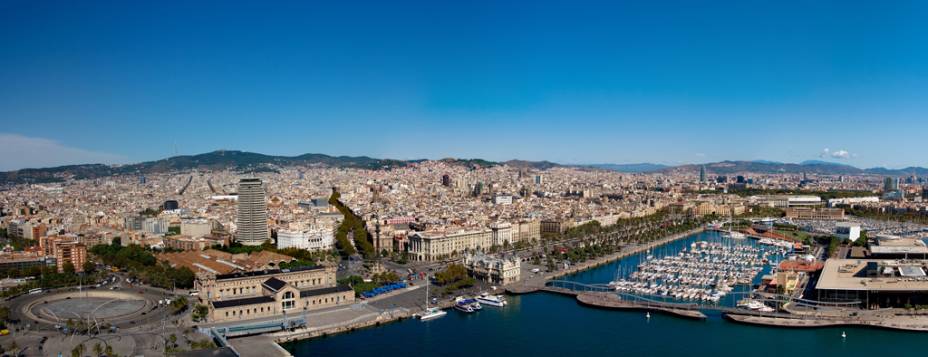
260, 294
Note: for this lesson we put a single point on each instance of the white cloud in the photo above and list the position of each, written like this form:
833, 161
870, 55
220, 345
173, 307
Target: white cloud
18, 152
836, 154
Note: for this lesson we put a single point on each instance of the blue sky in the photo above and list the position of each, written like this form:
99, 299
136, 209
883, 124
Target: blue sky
568, 81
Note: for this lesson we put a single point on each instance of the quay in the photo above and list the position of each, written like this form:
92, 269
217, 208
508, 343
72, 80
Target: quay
904, 323
258, 345
325, 326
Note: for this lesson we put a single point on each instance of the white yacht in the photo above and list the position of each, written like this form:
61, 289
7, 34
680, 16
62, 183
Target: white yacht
492, 300
467, 305
733, 235
430, 312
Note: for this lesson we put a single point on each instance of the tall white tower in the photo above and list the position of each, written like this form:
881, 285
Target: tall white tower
252, 213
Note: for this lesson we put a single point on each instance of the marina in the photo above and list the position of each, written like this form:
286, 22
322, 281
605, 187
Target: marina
705, 272
564, 324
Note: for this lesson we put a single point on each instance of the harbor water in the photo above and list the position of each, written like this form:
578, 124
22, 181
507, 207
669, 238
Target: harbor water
544, 324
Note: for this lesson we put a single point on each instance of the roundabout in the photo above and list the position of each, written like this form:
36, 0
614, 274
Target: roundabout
92, 308
133, 321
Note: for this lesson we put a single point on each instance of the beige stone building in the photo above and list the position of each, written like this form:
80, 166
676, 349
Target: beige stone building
526, 231
259, 294
185, 242
493, 270
431, 246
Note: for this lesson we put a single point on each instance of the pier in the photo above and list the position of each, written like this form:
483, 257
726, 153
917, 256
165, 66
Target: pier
894, 323
612, 301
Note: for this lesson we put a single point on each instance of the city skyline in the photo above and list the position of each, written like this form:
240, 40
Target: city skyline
360, 177
614, 83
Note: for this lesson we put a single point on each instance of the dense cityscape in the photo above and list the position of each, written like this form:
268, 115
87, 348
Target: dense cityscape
484, 178
238, 259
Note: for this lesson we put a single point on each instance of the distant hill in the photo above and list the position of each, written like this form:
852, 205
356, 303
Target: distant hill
630, 168
470, 162
249, 161
908, 171
216, 160
232, 160
810, 166
735, 167
537, 165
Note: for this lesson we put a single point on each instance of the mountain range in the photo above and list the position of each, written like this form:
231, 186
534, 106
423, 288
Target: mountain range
249, 161
810, 167
630, 168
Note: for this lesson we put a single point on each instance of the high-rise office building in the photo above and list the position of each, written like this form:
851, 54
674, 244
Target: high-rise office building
251, 227
890, 184
702, 173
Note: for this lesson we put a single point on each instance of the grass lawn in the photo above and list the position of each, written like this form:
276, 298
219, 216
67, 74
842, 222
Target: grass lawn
799, 235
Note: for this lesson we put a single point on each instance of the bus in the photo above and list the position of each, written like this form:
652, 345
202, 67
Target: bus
35, 291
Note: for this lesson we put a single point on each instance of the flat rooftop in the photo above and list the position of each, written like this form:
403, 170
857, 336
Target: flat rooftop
900, 246
918, 251
220, 263
874, 275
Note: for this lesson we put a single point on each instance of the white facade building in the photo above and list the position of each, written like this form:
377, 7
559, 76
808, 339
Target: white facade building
786, 201
311, 239
852, 200
847, 231
431, 246
502, 233
155, 226
196, 228
502, 200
